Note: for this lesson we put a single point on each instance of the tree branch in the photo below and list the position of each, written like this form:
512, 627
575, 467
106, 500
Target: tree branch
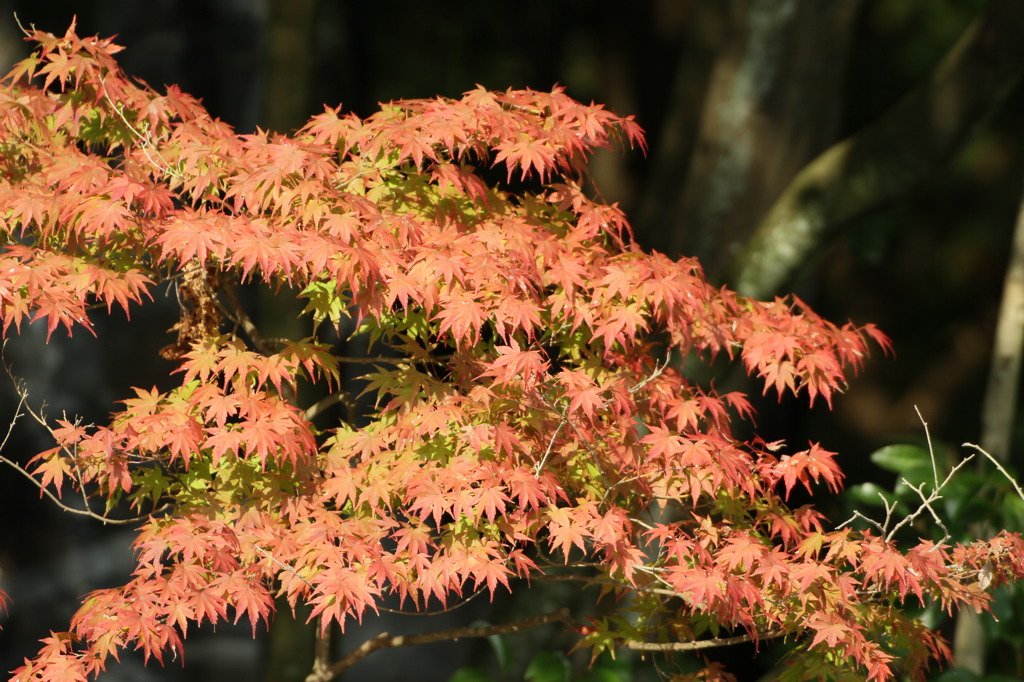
236, 311
384, 640
887, 159
698, 644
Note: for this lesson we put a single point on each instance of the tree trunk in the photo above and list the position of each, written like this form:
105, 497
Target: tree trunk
999, 414
289, 64
772, 104
890, 157
287, 105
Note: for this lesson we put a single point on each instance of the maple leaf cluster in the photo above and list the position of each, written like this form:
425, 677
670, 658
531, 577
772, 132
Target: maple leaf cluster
528, 411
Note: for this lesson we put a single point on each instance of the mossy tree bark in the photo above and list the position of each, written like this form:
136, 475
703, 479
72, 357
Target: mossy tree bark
771, 104
889, 158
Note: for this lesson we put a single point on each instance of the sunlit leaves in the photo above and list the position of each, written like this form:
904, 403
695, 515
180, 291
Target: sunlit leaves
566, 531
516, 366
810, 465
57, 288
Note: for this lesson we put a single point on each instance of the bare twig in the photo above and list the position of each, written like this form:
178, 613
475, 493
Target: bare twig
283, 565
375, 359
926, 503
21, 410
364, 169
858, 515
658, 369
551, 444
144, 140
447, 609
63, 507
563, 420
236, 311
700, 643
998, 466
931, 450
18, 414
24, 31
927, 500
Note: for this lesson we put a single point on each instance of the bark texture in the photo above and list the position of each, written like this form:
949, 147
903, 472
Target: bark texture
886, 160
772, 104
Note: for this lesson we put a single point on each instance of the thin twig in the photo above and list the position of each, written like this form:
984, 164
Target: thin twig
374, 359
931, 450
18, 414
700, 643
586, 443
144, 140
927, 501
283, 565
926, 504
21, 410
858, 515
435, 612
658, 369
999, 466
63, 507
17, 20
551, 445
593, 580
236, 312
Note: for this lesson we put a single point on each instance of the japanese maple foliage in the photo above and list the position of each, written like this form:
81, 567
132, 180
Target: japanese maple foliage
526, 411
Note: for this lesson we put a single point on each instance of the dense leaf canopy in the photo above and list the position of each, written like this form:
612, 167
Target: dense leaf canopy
527, 407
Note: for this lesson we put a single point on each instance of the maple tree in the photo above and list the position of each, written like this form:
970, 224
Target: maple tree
525, 411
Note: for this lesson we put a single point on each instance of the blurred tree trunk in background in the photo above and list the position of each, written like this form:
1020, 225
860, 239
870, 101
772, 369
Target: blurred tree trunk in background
772, 104
889, 158
998, 419
12, 49
287, 105
288, 67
